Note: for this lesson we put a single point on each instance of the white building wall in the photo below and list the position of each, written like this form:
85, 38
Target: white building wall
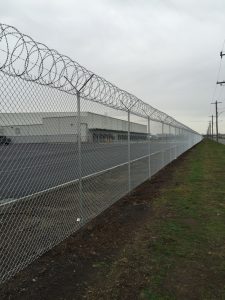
105, 122
58, 128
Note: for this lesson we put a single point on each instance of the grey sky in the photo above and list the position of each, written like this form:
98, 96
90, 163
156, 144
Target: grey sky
164, 52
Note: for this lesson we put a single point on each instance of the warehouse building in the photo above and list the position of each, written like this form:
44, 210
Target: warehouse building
61, 127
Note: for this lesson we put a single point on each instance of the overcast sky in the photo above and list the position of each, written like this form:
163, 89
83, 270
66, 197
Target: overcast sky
165, 52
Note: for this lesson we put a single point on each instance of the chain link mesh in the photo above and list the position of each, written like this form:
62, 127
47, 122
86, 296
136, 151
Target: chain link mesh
71, 144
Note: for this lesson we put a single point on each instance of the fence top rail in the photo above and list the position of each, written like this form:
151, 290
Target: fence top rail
23, 57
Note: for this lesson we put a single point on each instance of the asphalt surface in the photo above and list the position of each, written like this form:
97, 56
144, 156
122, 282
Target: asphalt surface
29, 168
31, 226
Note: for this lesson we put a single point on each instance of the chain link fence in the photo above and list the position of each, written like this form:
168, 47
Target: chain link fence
71, 144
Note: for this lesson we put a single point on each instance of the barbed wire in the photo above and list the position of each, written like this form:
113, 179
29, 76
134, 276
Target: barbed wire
33, 61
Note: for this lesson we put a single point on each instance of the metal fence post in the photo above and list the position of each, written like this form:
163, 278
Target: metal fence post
128, 148
149, 150
163, 153
176, 142
170, 144
81, 218
183, 139
79, 157
179, 141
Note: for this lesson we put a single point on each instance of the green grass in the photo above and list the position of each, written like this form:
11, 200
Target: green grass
180, 251
191, 242
197, 227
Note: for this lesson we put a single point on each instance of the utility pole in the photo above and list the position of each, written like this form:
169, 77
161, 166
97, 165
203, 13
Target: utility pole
216, 106
221, 54
216, 103
209, 130
212, 127
221, 82
212, 131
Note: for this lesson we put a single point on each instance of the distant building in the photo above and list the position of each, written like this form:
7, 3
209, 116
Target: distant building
61, 127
